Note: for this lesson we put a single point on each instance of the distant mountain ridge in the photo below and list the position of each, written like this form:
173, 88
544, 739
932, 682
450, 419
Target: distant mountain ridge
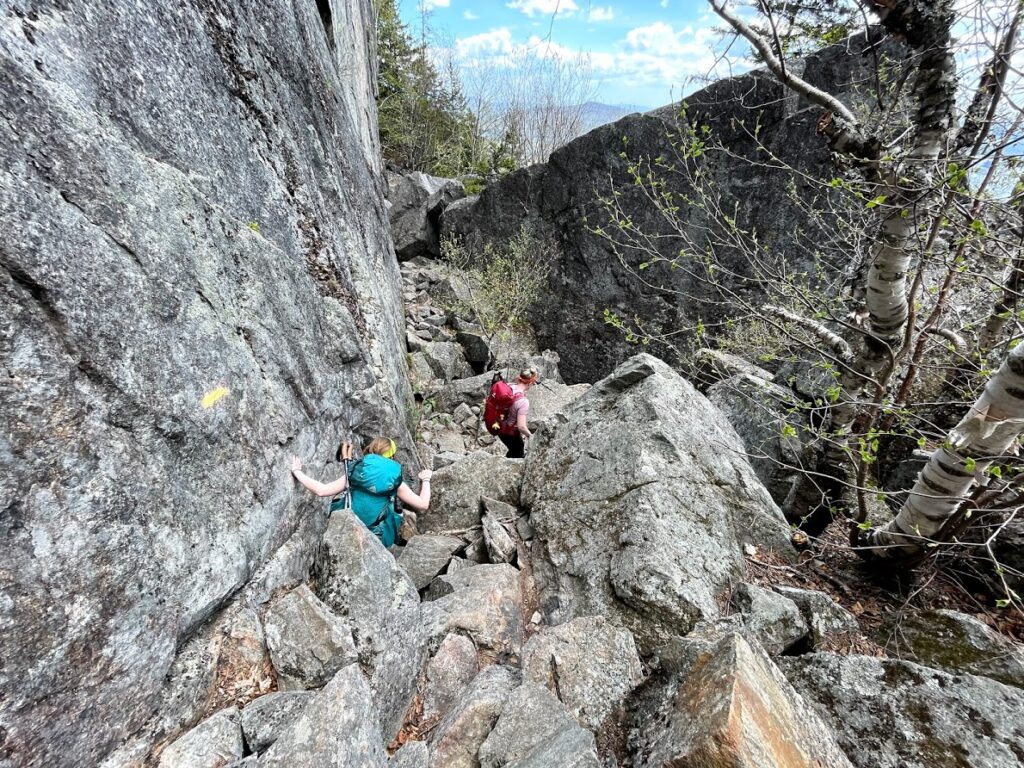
596, 114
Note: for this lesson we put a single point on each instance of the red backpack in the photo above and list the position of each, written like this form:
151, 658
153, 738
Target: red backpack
497, 405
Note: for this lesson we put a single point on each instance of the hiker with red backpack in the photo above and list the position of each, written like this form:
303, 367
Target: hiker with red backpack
506, 408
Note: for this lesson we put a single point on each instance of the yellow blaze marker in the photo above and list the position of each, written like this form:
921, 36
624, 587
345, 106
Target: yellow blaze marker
211, 398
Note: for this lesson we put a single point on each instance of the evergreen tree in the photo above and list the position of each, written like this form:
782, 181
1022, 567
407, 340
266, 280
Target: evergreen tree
425, 124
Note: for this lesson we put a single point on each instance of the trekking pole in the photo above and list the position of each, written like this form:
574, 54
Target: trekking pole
346, 459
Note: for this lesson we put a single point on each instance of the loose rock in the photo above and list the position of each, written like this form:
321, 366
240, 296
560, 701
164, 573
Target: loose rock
588, 663
337, 729
894, 714
771, 618
453, 668
264, 719
457, 739
826, 619
459, 488
484, 601
214, 742
501, 548
536, 729
308, 644
732, 709
427, 555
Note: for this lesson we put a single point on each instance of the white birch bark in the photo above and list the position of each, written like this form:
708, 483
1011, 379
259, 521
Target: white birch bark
988, 431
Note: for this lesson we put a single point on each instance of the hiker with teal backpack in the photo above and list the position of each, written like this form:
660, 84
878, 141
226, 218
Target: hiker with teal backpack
373, 483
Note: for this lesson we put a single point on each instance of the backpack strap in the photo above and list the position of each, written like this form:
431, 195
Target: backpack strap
387, 508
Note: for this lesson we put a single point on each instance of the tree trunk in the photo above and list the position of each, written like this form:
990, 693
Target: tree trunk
988, 431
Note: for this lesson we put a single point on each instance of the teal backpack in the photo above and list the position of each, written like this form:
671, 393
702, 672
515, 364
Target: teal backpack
373, 485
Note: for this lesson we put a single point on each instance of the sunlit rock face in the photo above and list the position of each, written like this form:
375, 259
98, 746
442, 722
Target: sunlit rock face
761, 125
196, 278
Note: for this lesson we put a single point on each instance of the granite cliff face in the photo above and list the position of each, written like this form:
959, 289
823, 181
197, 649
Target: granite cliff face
563, 195
196, 278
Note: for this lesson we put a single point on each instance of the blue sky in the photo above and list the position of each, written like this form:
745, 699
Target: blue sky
641, 52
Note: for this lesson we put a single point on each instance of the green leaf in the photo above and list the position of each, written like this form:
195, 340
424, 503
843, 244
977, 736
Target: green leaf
875, 202
970, 463
1002, 603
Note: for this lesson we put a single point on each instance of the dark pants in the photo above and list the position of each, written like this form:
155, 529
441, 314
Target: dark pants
516, 446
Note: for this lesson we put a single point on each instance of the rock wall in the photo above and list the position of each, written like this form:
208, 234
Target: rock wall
563, 195
196, 278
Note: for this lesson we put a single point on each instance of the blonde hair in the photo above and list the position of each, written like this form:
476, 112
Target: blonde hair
382, 446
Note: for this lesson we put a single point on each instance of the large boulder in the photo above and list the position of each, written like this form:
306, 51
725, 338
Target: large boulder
592, 275
770, 617
773, 427
308, 644
535, 729
456, 740
710, 366
446, 360
361, 582
337, 729
427, 555
956, 642
197, 278
894, 714
550, 398
484, 602
211, 744
730, 707
459, 489
417, 201
641, 501
591, 666
453, 668
264, 719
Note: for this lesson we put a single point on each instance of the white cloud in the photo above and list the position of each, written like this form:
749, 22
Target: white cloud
544, 7
494, 42
429, 5
664, 3
659, 54
663, 39
547, 49
652, 59
597, 13
469, 16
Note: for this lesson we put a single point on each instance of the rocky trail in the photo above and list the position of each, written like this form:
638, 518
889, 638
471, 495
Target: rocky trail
619, 598
206, 268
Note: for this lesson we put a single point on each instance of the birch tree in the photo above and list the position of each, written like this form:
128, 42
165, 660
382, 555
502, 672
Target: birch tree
985, 435
929, 189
